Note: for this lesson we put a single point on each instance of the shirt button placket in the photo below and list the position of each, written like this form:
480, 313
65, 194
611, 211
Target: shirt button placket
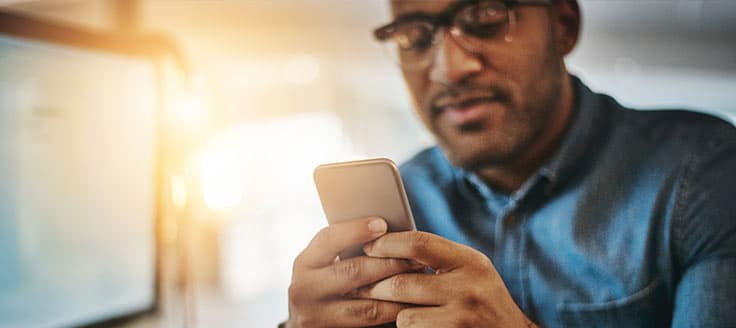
508, 253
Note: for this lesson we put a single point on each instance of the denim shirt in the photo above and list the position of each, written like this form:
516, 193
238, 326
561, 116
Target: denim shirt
632, 223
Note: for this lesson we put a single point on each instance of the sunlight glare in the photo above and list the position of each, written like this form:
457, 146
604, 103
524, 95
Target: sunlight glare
178, 191
220, 178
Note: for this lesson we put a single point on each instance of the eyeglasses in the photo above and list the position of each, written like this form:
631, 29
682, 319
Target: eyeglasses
412, 39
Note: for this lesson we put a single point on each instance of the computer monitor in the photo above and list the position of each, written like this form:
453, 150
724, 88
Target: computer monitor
78, 177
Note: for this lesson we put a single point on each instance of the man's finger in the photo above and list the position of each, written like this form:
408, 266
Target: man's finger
359, 313
414, 288
347, 275
426, 248
331, 240
425, 317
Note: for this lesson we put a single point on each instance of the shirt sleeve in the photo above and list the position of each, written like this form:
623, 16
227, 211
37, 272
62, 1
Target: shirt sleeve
704, 235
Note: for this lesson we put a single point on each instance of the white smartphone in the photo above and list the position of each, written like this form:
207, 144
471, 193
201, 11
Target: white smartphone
357, 189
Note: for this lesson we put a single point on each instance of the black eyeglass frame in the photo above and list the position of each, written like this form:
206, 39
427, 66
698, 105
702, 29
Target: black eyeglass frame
444, 18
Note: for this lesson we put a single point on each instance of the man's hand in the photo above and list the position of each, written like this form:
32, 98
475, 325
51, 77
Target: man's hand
465, 291
317, 295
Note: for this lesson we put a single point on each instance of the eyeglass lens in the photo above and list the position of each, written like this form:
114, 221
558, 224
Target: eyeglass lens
475, 26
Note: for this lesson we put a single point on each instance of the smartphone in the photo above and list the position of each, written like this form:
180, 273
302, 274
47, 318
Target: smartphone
357, 189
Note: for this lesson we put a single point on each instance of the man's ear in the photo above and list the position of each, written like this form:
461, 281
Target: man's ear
567, 21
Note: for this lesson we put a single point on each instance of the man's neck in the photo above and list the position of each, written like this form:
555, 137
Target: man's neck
510, 176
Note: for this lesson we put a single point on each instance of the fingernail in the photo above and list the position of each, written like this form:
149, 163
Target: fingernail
377, 226
367, 247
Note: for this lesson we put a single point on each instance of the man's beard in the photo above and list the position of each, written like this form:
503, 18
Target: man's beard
524, 129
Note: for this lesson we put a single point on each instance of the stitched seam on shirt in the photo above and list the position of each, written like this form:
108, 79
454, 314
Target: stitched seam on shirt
708, 260
637, 296
679, 208
523, 271
524, 279
694, 159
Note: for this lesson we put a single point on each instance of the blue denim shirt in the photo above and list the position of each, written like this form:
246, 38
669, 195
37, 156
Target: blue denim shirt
632, 223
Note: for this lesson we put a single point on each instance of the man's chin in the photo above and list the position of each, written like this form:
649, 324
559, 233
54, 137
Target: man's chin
475, 159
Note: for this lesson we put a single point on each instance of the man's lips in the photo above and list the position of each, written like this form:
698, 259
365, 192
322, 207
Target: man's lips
468, 111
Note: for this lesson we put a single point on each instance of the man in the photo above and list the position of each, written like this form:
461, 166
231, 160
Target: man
545, 203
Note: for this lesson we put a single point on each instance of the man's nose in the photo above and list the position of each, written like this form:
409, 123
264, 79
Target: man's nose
452, 62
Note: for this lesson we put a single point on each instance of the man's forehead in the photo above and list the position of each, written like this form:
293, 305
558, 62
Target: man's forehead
400, 7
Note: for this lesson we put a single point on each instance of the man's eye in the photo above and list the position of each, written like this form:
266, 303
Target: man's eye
414, 37
484, 20
486, 31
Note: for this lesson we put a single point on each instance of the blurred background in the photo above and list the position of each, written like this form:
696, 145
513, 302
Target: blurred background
228, 125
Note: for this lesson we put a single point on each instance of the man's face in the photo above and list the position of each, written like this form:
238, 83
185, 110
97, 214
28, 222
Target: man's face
487, 107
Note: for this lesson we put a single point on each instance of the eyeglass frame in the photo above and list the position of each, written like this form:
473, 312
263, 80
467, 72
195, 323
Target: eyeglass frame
445, 19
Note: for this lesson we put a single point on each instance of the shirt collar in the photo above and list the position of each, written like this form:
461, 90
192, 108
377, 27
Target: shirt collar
588, 120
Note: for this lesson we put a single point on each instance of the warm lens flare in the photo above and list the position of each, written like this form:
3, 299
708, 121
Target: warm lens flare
178, 191
220, 179
187, 106
187, 110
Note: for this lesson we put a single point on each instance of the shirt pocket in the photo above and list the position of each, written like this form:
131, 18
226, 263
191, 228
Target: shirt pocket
641, 309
